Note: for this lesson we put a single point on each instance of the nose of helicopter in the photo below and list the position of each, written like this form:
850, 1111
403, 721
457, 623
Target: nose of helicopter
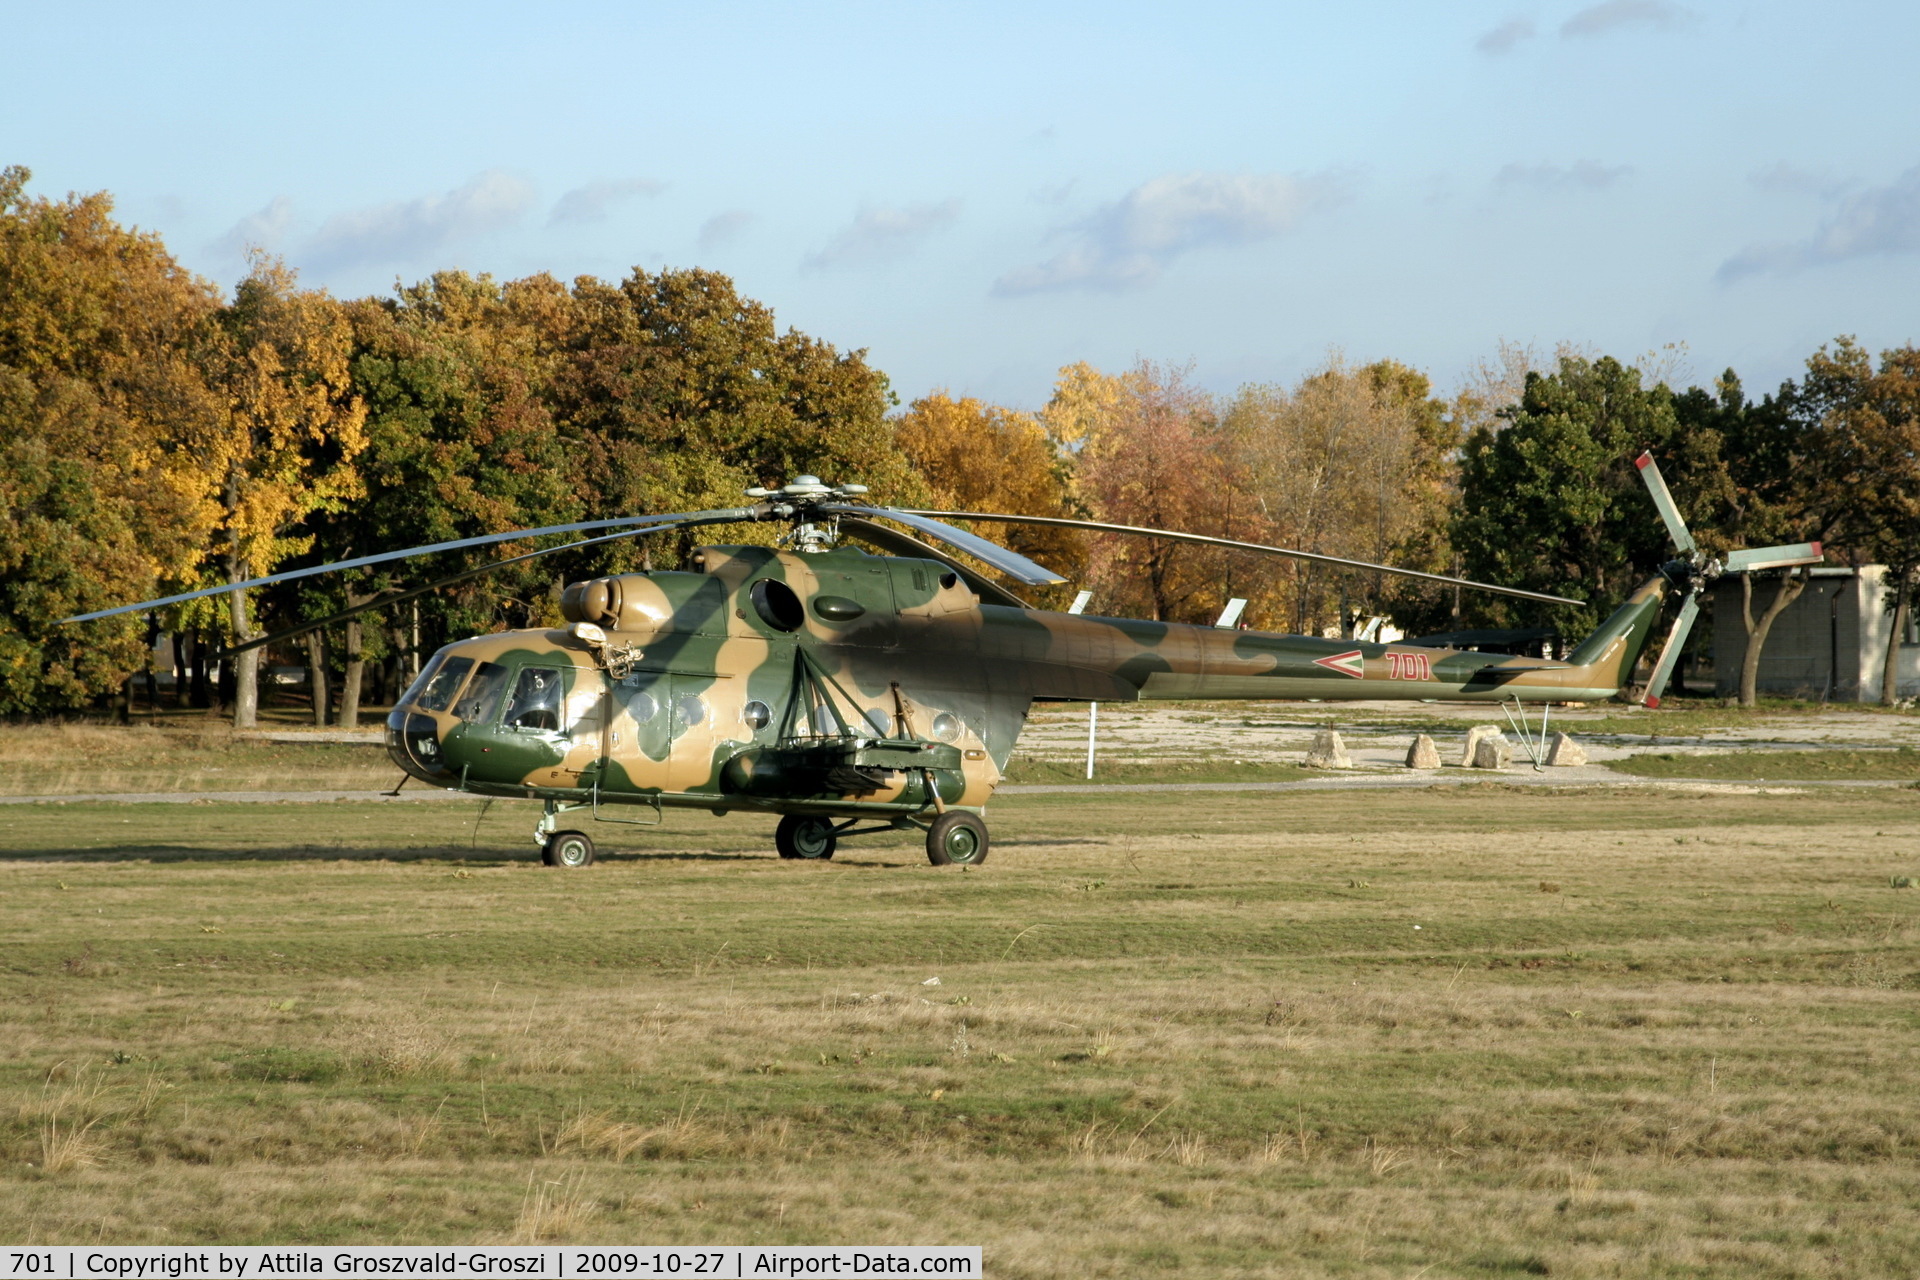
413, 743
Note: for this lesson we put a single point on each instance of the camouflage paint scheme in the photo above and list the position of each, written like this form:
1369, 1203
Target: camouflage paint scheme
904, 641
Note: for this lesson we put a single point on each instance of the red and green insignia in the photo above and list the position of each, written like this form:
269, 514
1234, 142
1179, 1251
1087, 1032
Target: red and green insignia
1347, 664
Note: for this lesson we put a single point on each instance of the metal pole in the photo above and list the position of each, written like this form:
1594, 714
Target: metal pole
1093, 724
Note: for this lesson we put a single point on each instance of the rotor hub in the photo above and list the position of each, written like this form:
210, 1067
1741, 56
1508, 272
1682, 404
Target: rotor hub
798, 500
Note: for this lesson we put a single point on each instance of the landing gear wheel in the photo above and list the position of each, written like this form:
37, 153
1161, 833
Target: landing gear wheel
957, 839
567, 849
804, 837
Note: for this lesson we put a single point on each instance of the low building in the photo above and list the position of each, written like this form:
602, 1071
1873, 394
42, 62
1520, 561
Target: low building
1830, 644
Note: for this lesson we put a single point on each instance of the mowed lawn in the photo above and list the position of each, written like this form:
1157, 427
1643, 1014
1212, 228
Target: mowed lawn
1474, 1031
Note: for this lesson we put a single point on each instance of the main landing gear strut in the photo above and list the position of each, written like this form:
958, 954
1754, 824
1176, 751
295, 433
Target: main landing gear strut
955, 838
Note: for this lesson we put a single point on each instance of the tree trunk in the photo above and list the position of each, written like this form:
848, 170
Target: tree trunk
153, 681
1791, 585
356, 667
183, 667
202, 682
1902, 604
246, 666
317, 675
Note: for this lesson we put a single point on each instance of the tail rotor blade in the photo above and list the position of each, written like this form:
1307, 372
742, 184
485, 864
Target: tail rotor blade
1670, 652
1785, 557
1663, 500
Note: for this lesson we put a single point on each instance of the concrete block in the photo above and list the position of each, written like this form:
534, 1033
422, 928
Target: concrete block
1423, 754
1328, 751
1565, 752
1492, 751
1474, 735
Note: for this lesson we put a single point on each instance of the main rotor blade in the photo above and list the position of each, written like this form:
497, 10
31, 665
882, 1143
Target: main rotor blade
1011, 563
1230, 544
1751, 558
899, 544
728, 516
1664, 503
1670, 652
397, 597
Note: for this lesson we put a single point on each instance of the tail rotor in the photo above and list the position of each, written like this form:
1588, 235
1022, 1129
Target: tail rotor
1692, 570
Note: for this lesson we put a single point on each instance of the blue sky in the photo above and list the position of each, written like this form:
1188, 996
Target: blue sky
981, 193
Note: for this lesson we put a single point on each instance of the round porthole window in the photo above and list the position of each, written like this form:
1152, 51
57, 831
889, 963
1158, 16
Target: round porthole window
946, 726
642, 706
777, 605
757, 715
690, 710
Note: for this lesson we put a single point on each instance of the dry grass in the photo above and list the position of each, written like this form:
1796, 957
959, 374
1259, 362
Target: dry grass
1219, 1047
96, 759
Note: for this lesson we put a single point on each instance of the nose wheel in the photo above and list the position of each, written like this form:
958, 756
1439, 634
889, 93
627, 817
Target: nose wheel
957, 838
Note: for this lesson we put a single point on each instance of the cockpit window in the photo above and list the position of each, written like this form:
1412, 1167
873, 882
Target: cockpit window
442, 683
536, 700
420, 681
481, 701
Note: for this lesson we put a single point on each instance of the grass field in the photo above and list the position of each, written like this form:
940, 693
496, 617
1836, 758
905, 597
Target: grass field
1896, 764
1477, 1031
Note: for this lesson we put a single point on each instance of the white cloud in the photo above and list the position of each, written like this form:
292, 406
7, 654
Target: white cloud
1791, 179
1504, 37
1613, 15
264, 229
1875, 222
723, 228
405, 230
591, 202
1130, 241
880, 233
1581, 175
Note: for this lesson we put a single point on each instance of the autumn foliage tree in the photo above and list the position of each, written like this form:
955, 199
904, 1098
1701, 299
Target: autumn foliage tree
980, 457
1149, 459
98, 503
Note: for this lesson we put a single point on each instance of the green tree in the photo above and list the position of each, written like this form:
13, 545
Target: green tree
674, 392
458, 443
1553, 502
1859, 465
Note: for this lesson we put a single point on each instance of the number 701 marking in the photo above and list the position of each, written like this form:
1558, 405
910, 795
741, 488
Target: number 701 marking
1409, 666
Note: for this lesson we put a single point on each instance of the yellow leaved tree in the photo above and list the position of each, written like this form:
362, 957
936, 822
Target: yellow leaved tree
282, 440
980, 457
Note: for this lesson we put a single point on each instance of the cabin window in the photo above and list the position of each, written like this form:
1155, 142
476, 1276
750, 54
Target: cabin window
642, 706
777, 605
481, 701
689, 710
946, 726
442, 683
757, 715
537, 700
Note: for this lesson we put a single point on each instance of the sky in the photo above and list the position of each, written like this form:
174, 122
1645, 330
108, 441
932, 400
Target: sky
979, 194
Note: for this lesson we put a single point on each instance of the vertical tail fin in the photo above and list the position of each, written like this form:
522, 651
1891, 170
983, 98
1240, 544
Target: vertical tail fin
1611, 651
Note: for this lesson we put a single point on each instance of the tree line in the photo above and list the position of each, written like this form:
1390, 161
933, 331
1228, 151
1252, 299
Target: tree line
157, 436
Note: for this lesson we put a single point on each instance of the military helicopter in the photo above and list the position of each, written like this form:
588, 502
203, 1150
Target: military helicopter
854, 693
